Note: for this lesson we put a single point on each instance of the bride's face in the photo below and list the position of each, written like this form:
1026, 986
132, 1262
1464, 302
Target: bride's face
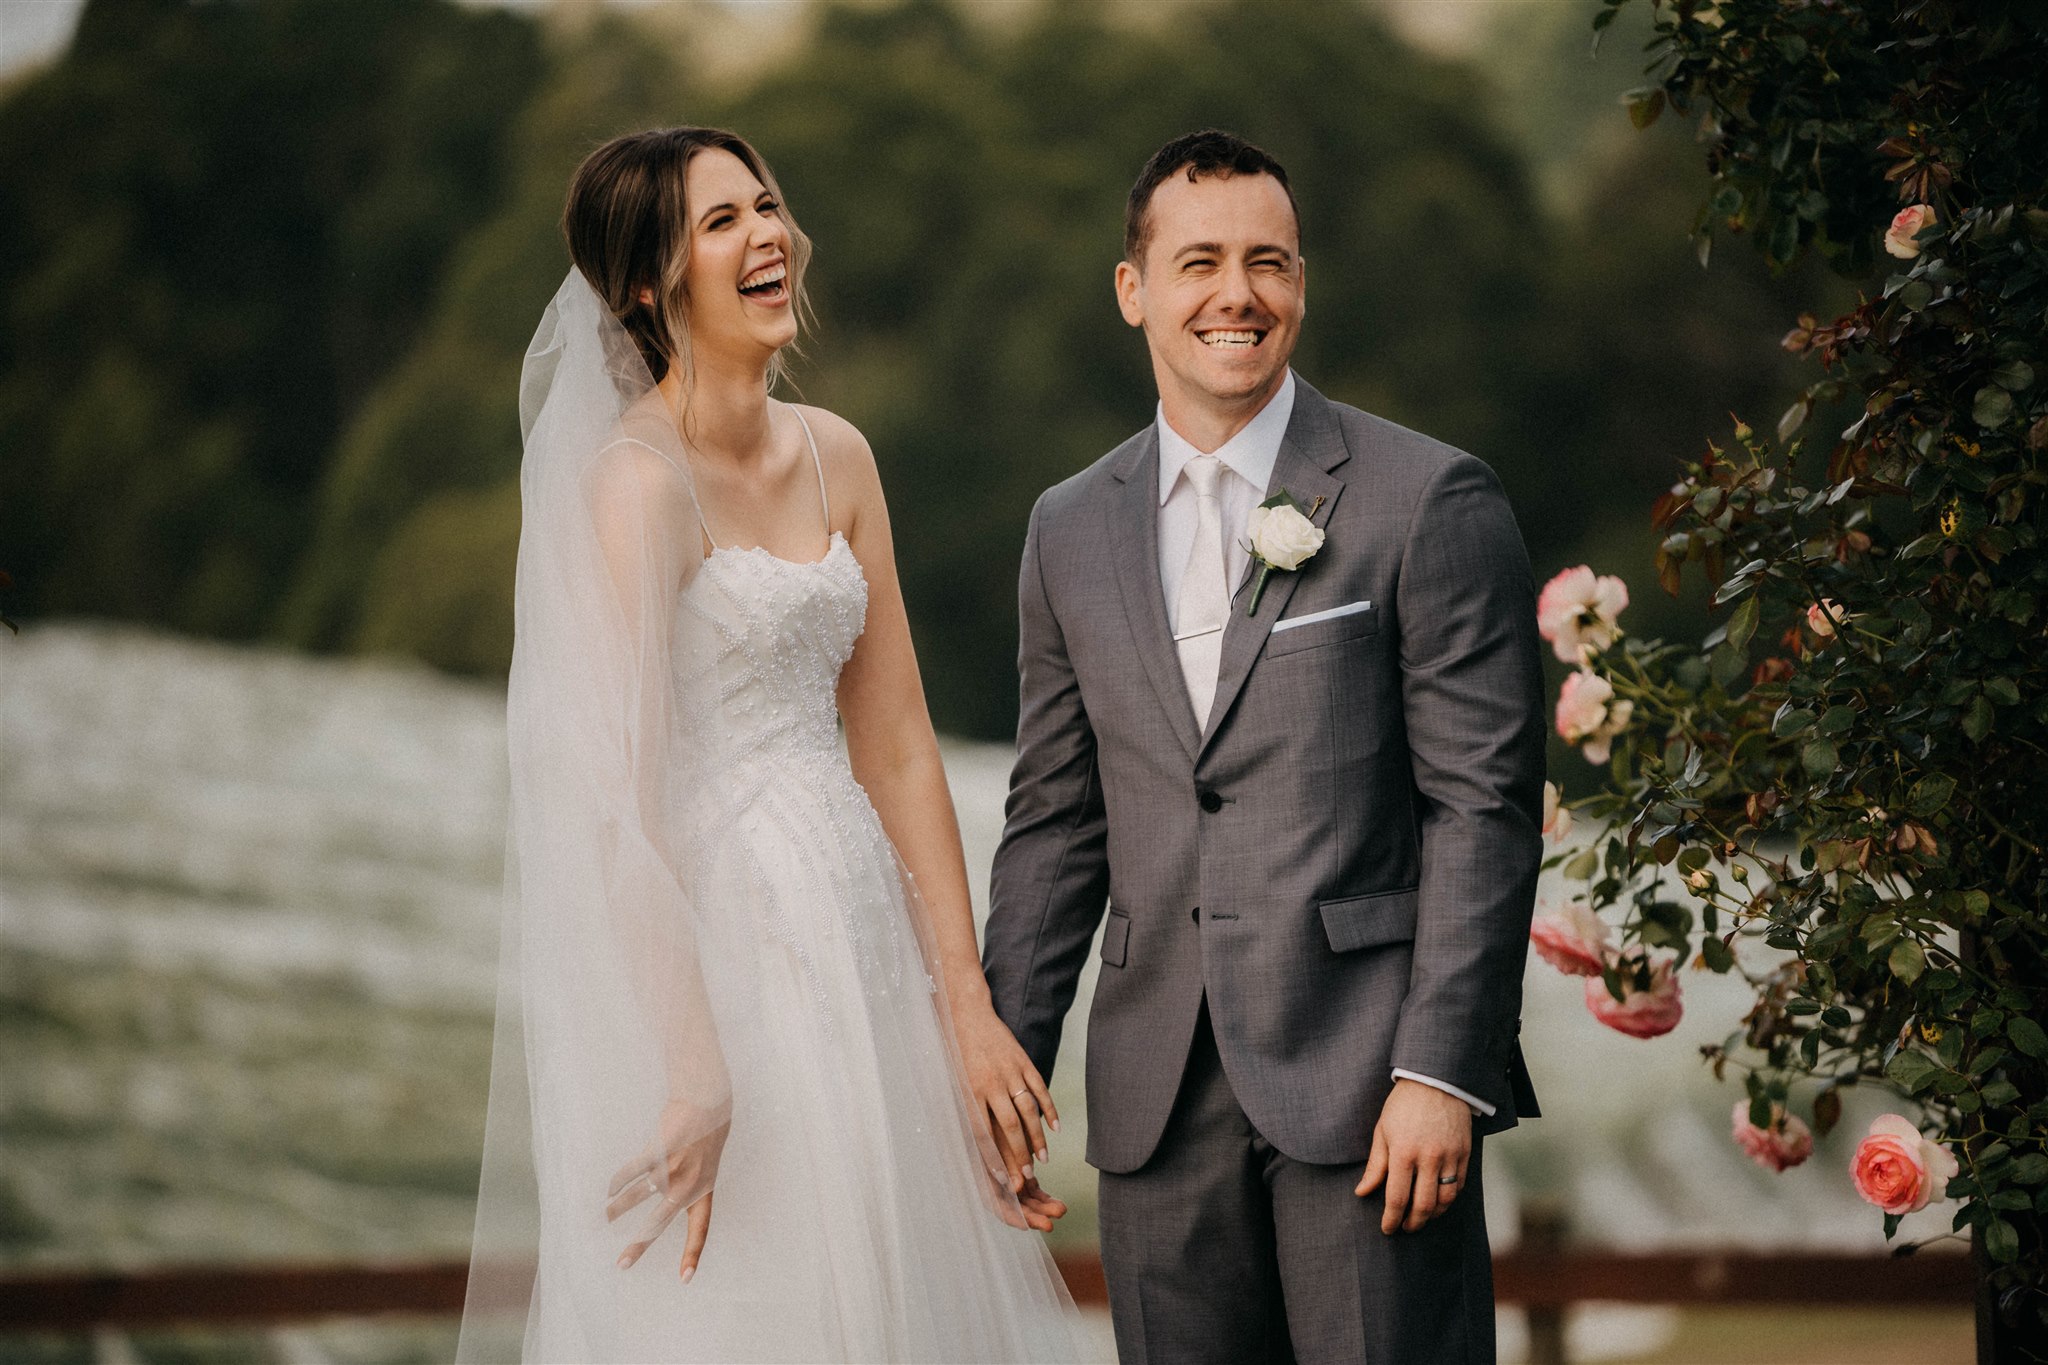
739, 291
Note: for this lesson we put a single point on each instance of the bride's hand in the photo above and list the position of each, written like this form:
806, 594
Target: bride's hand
670, 1170
1008, 1089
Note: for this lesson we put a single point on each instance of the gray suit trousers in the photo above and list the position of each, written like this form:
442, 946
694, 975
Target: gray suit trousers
1221, 1248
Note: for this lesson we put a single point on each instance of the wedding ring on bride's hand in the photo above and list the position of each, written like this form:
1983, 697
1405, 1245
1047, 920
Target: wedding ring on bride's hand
1447, 1180
1020, 1090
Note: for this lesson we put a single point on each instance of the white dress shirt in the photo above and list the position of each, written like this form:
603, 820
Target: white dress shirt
1247, 460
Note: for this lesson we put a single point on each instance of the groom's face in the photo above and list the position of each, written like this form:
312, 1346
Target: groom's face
1221, 290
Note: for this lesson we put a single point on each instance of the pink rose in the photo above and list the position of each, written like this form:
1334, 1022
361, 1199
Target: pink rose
1579, 613
1557, 818
1907, 224
1822, 616
1589, 716
1899, 1170
1641, 1012
1787, 1142
1572, 939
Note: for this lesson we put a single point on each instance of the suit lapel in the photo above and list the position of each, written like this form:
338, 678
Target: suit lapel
1312, 448
1134, 530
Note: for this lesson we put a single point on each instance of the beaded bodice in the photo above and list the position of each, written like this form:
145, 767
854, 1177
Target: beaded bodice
762, 640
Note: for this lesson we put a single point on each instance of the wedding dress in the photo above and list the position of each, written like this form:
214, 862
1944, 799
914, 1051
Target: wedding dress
719, 973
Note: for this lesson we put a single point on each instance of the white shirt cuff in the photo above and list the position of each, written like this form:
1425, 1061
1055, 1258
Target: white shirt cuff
1479, 1106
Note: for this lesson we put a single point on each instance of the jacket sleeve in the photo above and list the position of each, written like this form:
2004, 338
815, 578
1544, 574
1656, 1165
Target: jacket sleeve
1050, 881
1472, 701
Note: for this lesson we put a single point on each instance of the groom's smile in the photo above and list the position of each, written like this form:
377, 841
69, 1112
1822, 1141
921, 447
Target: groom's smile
1218, 287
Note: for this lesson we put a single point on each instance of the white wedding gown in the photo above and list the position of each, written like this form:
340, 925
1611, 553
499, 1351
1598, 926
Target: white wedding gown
853, 1219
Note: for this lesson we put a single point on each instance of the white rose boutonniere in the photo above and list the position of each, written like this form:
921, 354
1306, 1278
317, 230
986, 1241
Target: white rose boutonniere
1281, 536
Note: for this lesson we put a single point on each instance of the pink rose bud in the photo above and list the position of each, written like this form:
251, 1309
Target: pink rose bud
1639, 1013
1557, 818
1822, 616
1572, 939
1589, 716
1898, 1169
1579, 612
1786, 1143
1907, 225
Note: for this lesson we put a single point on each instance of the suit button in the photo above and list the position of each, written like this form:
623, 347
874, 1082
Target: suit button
1211, 802
1196, 914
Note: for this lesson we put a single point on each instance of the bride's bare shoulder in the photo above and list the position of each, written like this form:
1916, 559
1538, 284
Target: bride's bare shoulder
849, 460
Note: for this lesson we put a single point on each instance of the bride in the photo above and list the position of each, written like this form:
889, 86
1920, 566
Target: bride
738, 958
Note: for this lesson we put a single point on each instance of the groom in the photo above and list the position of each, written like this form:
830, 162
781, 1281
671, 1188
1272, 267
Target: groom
1312, 810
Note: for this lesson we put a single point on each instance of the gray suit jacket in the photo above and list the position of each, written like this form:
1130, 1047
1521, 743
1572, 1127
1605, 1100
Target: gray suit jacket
1344, 860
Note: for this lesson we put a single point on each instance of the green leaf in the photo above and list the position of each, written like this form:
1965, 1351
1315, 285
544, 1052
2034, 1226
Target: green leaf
1582, 864
2004, 691
1930, 794
2027, 1036
2031, 1169
1718, 956
1836, 719
1977, 719
2013, 376
1820, 758
1911, 1071
2001, 1242
1784, 245
1790, 720
1998, 1094
1644, 105
1908, 960
1728, 664
1992, 408
1742, 625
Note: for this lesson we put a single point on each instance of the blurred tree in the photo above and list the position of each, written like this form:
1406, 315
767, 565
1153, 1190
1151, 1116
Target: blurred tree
330, 232
218, 226
966, 188
418, 516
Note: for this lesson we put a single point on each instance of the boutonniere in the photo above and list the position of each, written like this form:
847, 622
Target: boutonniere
1282, 536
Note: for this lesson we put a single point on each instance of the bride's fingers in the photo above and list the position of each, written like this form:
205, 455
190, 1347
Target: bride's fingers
630, 1198
700, 1228
1010, 1130
639, 1166
1042, 1092
1027, 1107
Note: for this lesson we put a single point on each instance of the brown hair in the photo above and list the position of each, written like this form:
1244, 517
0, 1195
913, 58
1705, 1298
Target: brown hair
627, 223
1209, 152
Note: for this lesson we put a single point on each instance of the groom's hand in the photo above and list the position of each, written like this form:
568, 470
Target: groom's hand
1424, 1135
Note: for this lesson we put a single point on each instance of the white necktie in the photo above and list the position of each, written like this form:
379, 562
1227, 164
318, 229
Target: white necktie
1204, 602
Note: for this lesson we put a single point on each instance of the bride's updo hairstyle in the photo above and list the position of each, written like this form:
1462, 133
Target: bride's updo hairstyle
627, 222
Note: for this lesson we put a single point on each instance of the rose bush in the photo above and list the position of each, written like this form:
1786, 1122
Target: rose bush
1856, 755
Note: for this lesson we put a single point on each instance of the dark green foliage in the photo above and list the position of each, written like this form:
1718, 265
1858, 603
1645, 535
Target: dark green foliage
221, 225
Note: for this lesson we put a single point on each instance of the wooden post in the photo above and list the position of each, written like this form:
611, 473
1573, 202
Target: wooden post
1543, 1240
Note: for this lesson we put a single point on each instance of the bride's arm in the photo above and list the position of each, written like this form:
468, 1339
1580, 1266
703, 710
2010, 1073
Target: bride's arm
895, 758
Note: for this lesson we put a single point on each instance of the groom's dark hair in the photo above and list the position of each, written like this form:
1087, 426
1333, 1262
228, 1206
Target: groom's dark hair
1209, 152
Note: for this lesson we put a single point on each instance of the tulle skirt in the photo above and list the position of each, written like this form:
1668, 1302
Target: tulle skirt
853, 1218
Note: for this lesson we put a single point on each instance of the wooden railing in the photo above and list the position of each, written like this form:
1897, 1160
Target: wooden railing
1539, 1281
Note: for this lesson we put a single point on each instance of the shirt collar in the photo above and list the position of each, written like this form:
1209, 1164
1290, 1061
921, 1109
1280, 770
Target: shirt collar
1250, 454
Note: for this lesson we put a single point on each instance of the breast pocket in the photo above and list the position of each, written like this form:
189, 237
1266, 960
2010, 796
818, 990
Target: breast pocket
1352, 621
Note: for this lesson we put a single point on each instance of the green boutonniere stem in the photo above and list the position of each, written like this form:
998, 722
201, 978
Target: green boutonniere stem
1258, 586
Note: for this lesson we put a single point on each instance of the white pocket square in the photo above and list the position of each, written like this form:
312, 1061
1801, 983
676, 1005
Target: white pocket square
1327, 614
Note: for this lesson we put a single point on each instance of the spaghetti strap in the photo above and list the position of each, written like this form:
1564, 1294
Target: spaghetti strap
689, 485
816, 463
